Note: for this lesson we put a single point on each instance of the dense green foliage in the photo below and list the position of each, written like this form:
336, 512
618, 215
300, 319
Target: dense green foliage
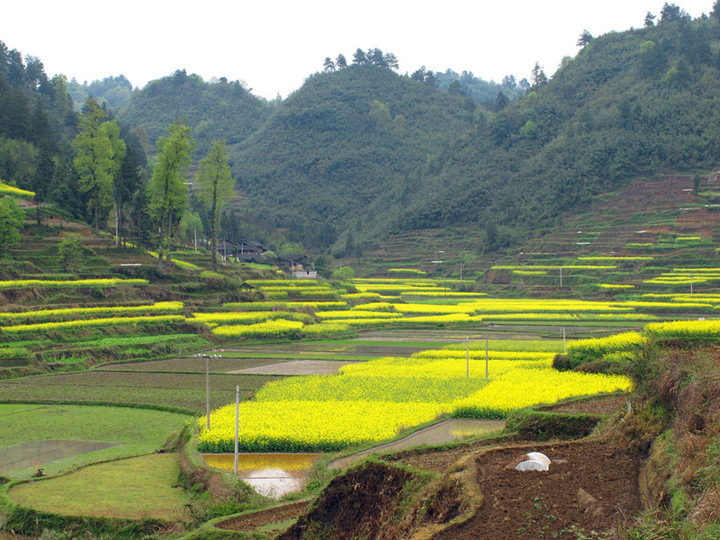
634, 103
11, 218
99, 152
38, 124
346, 150
484, 92
215, 187
360, 152
113, 91
214, 110
167, 191
70, 252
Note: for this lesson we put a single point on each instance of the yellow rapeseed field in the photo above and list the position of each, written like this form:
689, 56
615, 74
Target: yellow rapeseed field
373, 401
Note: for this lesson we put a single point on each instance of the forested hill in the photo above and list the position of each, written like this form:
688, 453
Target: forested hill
365, 151
360, 151
214, 110
629, 104
346, 150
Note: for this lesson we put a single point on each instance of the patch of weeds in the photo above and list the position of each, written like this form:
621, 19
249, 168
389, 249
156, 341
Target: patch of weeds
275, 527
649, 526
541, 426
47, 534
578, 533
709, 475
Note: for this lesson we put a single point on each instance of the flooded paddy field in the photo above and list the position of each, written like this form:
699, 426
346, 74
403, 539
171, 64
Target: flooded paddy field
272, 475
58, 438
26, 455
277, 474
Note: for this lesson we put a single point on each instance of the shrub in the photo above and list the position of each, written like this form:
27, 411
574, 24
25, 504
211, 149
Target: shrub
344, 273
70, 252
541, 426
11, 220
586, 350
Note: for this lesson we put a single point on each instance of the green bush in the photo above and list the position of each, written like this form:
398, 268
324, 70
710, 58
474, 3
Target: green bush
70, 252
344, 273
541, 426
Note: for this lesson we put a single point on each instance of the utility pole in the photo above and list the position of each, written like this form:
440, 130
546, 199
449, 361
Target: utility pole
237, 426
467, 357
207, 389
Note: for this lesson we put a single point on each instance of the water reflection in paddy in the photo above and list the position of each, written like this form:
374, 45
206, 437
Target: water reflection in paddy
276, 475
23, 456
271, 475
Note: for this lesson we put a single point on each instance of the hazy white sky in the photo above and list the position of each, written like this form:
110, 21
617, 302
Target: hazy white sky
274, 45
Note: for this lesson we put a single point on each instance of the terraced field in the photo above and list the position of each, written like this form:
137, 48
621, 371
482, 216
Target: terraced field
404, 346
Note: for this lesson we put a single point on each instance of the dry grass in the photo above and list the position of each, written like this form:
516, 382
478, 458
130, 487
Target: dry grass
684, 464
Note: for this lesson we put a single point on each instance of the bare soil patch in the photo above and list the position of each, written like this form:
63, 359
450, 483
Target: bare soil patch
356, 505
296, 367
188, 365
276, 514
433, 460
589, 486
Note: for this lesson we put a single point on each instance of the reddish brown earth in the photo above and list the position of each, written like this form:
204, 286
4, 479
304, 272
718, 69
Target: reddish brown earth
249, 522
589, 486
439, 462
360, 504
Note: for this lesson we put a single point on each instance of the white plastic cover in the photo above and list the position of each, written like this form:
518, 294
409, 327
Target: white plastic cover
531, 465
538, 456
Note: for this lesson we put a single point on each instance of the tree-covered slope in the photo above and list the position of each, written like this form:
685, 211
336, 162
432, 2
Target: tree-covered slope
629, 104
365, 151
113, 92
214, 110
345, 151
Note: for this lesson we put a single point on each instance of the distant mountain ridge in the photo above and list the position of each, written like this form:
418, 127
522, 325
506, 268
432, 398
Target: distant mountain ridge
362, 152
215, 110
342, 152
